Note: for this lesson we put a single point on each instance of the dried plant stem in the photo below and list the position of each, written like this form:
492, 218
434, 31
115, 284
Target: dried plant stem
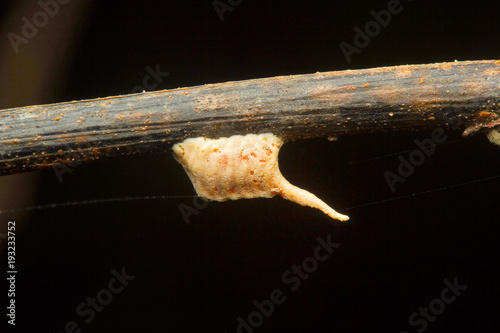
400, 98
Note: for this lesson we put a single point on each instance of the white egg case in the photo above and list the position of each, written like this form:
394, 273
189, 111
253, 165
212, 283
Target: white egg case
241, 167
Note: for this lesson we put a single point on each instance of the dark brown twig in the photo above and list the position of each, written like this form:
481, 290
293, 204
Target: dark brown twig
400, 98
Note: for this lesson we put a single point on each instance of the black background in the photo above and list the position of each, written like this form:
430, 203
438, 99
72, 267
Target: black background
395, 251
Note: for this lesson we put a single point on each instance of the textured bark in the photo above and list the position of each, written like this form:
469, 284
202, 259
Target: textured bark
400, 98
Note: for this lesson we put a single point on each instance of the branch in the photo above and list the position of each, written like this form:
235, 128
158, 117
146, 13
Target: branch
400, 98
